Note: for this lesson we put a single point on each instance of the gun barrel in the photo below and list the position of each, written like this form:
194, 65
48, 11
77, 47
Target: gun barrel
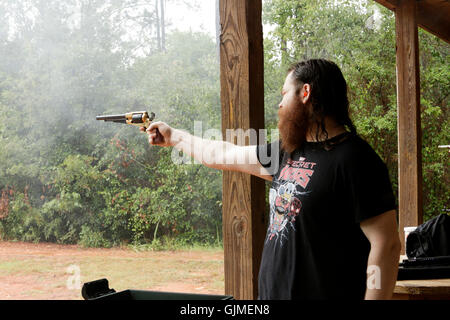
114, 118
136, 118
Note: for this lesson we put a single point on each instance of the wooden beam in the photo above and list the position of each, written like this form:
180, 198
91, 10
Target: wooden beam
390, 4
432, 15
242, 99
408, 104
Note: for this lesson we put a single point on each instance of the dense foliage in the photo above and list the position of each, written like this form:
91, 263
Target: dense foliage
66, 178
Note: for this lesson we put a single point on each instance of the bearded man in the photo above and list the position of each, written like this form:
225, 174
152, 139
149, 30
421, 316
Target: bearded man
333, 230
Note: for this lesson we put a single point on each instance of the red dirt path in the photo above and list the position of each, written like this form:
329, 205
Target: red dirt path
22, 278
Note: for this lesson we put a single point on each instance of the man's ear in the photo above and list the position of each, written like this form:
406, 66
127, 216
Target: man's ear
305, 93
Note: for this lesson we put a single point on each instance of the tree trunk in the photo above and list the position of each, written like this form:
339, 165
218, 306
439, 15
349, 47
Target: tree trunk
218, 29
163, 28
158, 29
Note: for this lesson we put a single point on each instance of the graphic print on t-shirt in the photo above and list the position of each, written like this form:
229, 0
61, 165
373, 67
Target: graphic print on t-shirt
284, 197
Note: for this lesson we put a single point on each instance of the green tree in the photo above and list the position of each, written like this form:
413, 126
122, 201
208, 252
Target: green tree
65, 177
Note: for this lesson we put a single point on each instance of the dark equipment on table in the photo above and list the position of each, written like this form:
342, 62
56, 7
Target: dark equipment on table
99, 290
428, 251
430, 239
96, 289
135, 118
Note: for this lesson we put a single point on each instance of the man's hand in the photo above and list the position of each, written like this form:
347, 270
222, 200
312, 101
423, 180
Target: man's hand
160, 134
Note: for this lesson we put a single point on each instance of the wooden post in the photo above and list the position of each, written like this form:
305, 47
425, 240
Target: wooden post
242, 99
409, 130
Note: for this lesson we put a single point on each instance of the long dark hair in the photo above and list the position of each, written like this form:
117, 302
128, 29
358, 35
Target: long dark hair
328, 92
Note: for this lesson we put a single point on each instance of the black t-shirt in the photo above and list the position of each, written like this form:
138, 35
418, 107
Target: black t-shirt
314, 247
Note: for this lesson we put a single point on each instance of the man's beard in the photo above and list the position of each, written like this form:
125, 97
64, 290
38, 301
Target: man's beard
293, 125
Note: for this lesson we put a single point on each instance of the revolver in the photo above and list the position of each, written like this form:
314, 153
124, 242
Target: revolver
135, 118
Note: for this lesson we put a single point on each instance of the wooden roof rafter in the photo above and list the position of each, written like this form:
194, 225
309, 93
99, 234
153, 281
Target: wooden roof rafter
432, 16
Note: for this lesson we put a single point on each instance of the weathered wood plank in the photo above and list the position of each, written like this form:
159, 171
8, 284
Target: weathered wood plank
431, 286
242, 99
409, 130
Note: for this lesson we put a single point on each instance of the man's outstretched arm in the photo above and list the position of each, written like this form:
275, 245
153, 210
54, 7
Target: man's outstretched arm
221, 155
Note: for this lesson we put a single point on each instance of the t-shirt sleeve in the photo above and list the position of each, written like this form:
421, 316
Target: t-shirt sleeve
368, 185
269, 156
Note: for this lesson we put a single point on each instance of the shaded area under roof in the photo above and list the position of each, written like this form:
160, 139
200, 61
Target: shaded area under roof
432, 16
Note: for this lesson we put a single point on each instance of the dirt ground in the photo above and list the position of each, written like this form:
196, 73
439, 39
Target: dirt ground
55, 272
